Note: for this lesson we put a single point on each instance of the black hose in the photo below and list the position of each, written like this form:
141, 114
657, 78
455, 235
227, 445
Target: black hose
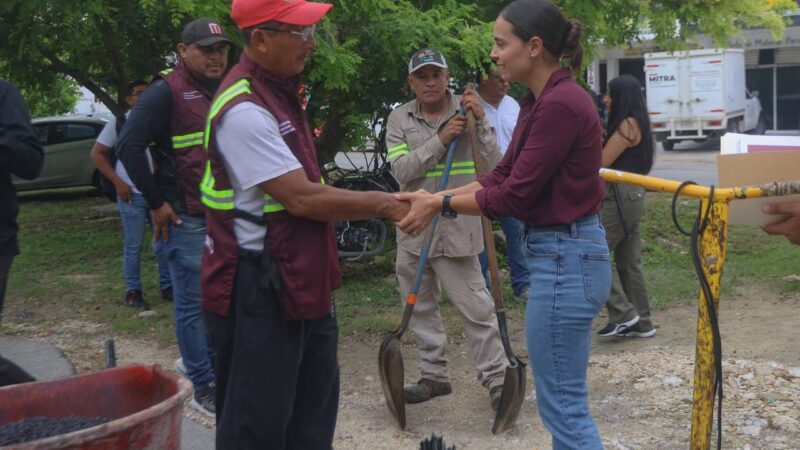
698, 227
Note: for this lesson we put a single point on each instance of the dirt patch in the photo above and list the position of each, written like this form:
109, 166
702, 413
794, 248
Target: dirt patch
640, 390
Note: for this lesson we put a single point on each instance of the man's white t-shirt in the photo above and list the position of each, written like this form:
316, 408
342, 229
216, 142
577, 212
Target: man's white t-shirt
108, 137
503, 118
253, 151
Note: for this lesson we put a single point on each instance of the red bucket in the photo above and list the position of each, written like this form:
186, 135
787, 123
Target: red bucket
144, 402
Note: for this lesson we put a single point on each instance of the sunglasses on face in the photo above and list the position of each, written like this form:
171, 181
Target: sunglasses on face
304, 34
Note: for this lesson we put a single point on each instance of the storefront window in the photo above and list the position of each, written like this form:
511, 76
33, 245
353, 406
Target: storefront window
760, 80
788, 96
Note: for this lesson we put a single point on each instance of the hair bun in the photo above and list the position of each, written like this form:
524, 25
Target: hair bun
572, 38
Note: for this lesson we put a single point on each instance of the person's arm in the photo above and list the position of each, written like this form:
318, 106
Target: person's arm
100, 150
254, 153
317, 201
21, 152
148, 121
790, 226
626, 136
409, 164
545, 149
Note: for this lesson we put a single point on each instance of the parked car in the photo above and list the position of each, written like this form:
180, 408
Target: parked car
67, 143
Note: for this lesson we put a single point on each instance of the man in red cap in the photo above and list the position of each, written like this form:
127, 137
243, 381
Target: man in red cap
270, 262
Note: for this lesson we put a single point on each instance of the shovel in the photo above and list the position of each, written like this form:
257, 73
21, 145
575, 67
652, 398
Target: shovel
390, 359
514, 382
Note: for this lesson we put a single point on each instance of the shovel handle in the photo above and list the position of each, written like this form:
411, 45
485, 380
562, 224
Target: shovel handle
411, 300
488, 235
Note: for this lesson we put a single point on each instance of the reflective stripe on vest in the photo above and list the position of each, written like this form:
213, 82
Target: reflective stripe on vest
187, 140
240, 87
397, 151
468, 169
222, 199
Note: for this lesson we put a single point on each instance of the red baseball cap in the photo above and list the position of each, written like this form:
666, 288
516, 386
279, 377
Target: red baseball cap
249, 13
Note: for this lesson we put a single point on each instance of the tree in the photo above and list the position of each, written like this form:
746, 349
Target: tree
359, 67
59, 98
101, 44
363, 47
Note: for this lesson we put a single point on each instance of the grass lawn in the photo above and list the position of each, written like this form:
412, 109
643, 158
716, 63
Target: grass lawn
70, 269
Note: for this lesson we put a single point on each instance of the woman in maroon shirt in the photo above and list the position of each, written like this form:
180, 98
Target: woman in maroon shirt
548, 179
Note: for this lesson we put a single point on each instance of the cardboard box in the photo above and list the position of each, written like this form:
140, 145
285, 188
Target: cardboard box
747, 160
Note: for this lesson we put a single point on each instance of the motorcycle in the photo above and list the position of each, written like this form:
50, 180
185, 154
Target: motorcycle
356, 239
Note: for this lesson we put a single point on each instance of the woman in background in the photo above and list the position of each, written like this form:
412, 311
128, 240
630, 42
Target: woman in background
629, 147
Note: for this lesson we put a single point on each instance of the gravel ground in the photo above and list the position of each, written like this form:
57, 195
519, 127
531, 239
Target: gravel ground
640, 390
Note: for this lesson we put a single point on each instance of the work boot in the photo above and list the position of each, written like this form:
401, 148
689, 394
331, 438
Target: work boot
134, 299
166, 294
204, 399
496, 393
425, 390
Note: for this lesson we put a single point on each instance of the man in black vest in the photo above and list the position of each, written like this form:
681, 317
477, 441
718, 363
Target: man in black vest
172, 114
21, 155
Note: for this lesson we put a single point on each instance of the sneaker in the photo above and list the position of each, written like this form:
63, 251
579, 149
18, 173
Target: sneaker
522, 297
180, 367
166, 294
616, 329
204, 399
425, 390
134, 299
638, 331
496, 393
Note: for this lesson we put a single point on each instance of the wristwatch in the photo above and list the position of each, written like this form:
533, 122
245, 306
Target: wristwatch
447, 211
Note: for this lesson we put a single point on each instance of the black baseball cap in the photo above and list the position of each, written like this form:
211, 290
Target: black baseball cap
203, 32
426, 57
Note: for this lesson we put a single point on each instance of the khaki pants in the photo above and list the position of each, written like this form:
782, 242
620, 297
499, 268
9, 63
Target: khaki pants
462, 280
621, 220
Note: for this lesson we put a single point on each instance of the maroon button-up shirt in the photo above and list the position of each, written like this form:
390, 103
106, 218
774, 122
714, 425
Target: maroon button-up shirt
550, 173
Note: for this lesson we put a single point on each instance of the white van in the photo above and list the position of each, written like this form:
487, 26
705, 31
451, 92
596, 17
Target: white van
699, 94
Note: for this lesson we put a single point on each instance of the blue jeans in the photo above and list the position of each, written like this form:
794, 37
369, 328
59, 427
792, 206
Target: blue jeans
570, 281
516, 260
134, 216
184, 249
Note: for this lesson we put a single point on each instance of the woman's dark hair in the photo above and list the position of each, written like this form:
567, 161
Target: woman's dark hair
627, 100
542, 18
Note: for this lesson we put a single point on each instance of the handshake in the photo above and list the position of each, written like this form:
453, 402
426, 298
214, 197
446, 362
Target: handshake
413, 212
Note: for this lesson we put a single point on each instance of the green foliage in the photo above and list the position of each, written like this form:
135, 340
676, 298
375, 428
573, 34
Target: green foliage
363, 47
101, 44
55, 99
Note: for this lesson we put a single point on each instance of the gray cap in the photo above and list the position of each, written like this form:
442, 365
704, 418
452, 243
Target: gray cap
426, 57
203, 32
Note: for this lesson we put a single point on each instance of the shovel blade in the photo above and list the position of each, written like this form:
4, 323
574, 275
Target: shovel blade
513, 395
390, 366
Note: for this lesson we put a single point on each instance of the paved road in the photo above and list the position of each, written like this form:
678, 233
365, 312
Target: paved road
688, 161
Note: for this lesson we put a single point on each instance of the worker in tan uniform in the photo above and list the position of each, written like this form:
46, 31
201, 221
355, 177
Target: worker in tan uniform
418, 134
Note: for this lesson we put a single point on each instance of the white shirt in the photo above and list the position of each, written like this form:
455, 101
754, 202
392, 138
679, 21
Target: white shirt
108, 137
503, 119
253, 151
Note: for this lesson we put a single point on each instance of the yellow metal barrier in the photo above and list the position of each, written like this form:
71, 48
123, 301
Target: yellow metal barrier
712, 257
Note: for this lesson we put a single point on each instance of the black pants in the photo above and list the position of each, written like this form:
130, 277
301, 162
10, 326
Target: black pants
11, 373
280, 378
5, 267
